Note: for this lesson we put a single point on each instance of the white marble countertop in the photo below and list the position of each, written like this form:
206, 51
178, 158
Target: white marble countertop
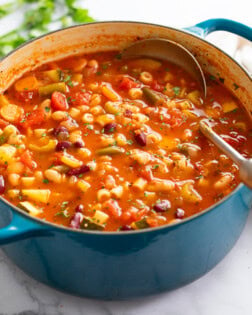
227, 288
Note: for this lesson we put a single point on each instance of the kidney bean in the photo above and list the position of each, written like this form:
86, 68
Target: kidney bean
2, 184
162, 206
59, 129
140, 138
126, 228
79, 144
180, 213
128, 113
76, 220
79, 170
79, 208
109, 128
63, 145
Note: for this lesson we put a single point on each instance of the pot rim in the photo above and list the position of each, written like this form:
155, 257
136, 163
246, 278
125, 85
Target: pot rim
147, 230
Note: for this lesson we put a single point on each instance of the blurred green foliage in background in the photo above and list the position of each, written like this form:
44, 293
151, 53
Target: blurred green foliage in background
39, 16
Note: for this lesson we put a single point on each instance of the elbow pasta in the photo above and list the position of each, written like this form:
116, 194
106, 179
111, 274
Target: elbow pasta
114, 144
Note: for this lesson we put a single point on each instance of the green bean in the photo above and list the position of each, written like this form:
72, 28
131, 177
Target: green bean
151, 96
110, 151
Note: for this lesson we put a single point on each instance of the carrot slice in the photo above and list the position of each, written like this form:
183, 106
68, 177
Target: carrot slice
26, 84
26, 159
11, 112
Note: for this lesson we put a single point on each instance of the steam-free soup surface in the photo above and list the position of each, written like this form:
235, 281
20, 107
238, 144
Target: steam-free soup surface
100, 143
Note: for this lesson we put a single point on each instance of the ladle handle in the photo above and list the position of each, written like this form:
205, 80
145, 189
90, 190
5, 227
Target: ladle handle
221, 144
206, 27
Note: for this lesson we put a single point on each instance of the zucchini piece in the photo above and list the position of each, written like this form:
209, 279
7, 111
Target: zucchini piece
100, 217
152, 97
54, 75
88, 224
39, 195
110, 151
50, 146
49, 89
28, 207
141, 224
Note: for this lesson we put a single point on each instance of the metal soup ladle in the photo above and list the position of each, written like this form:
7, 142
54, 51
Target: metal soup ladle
174, 52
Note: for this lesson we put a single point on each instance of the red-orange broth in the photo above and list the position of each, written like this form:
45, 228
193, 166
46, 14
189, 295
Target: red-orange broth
97, 142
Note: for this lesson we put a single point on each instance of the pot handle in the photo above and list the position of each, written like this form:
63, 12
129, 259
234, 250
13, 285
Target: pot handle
204, 28
21, 228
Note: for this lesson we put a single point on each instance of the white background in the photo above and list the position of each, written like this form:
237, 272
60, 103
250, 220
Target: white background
225, 290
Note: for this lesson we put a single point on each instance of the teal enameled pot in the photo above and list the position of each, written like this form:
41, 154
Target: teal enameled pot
124, 265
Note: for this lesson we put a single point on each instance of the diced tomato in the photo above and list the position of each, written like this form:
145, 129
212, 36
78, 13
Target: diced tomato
34, 118
146, 172
126, 216
25, 96
3, 123
80, 98
127, 83
26, 159
157, 86
113, 208
59, 101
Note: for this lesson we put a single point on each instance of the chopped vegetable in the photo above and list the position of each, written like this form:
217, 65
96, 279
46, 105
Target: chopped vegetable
229, 106
31, 209
49, 89
11, 112
7, 153
39, 195
27, 84
152, 97
54, 75
110, 151
88, 224
141, 224
59, 101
